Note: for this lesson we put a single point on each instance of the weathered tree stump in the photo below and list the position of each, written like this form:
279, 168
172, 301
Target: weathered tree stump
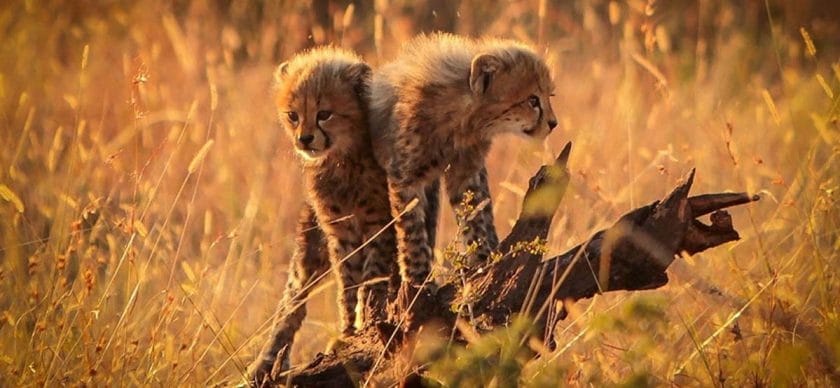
633, 254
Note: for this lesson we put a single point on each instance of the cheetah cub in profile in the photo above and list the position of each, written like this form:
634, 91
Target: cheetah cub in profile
434, 112
322, 100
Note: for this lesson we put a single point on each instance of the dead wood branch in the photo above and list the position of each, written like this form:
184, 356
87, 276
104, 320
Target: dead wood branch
633, 254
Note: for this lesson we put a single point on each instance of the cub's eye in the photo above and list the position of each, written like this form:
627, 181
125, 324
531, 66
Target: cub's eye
293, 116
534, 101
323, 115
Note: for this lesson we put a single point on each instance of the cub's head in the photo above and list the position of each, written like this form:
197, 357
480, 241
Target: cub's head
321, 99
512, 86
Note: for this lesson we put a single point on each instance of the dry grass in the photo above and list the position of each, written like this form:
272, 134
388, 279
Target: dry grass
148, 198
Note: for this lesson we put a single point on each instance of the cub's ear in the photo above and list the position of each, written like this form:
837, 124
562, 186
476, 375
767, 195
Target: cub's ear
358, 74
481, 72
280, 73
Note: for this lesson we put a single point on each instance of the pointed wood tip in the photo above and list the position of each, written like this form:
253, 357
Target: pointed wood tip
563, 158
689, 180
682, 189
707, 203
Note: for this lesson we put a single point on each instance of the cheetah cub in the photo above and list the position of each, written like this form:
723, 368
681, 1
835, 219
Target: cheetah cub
434, 112
322, 100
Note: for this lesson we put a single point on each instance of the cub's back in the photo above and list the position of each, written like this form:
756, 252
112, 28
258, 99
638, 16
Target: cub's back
438, 60
430, 59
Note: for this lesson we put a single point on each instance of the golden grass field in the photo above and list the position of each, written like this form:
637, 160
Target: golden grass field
148, 198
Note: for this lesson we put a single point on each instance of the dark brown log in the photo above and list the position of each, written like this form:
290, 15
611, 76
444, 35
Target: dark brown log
633, 254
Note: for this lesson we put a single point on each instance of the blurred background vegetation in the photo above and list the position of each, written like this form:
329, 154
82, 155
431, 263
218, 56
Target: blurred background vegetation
148, 198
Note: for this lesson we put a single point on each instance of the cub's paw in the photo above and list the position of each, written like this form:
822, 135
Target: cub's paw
262, 372
259, 373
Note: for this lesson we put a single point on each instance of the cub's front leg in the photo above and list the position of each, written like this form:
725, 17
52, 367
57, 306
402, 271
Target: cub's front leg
414, 254
344, 237
477, 223
309, 261
380, 265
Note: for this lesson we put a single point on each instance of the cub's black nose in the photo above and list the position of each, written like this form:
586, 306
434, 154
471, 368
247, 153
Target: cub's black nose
552, 123
306, 139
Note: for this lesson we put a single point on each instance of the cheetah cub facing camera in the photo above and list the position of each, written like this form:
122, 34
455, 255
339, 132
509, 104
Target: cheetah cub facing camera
322, 101
434, 111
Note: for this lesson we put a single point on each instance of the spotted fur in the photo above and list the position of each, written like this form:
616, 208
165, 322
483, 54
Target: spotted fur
322, 100
434, 112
